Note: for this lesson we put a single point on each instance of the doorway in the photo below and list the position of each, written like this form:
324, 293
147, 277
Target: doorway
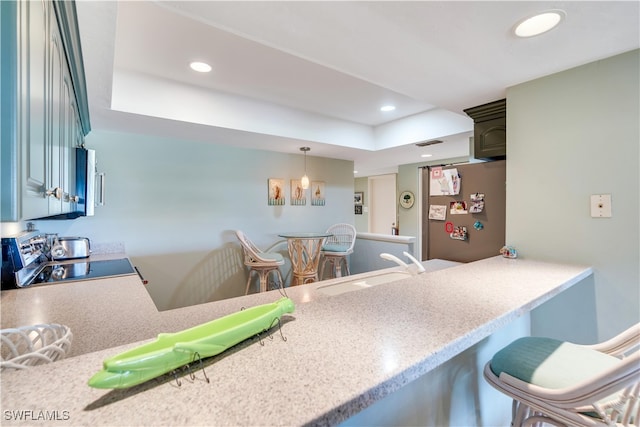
382, 203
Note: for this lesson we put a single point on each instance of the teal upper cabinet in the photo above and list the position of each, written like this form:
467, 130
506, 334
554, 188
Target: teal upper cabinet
44, 98
68, 22
9, 155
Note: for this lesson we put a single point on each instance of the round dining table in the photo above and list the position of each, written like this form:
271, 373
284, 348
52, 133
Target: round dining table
304, 252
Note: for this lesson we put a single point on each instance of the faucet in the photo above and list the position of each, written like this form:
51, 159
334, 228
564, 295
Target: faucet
418, 269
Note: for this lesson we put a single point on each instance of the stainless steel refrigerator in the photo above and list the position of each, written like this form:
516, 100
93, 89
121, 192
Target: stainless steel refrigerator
463, 211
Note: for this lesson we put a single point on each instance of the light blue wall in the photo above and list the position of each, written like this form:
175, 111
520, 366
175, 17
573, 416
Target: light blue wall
571, 135
175, 203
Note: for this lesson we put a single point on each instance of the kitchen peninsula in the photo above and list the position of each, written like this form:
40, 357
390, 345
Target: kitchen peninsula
342, 353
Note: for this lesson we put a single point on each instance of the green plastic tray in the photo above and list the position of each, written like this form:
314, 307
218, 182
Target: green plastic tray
170, 351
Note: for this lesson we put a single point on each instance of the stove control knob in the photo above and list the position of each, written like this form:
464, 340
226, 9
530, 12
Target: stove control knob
57, 273
58, 251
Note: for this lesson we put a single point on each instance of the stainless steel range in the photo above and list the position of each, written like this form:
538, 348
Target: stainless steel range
27, 260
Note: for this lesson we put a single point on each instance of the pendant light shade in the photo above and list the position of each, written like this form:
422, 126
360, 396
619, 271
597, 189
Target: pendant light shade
305, 179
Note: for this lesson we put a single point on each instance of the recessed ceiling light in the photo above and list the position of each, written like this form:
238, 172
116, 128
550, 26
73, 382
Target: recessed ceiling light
355, 171
540, 23
200, 67
426, 155
386, 108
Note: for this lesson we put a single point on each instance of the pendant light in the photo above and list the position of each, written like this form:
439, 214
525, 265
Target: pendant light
305, 178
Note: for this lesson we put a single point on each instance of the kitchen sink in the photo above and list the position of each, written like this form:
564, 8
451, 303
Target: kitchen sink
365, 282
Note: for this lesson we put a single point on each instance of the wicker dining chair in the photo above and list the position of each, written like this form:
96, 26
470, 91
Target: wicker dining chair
262, 263
337, 247
564, 384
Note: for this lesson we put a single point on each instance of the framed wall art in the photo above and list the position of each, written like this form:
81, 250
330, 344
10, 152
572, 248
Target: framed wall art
358, 198
298, 194
317, 193
276, 195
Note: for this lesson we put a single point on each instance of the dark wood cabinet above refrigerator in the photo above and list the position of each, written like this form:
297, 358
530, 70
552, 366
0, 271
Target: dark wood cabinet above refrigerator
489, 130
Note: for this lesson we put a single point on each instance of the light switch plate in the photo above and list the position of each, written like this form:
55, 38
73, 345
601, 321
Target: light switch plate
601, 205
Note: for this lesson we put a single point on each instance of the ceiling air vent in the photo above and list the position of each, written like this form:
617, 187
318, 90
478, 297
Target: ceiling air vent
427, 143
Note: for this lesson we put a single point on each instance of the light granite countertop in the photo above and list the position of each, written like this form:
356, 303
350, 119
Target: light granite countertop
101, 313
342, 353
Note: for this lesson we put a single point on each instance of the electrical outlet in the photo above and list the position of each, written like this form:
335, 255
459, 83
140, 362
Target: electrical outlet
601, 205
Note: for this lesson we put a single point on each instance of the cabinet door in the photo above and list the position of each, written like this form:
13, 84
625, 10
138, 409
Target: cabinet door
490, 129
47, 119
56, 118
68, 161
9, 112
490, 138
33, 131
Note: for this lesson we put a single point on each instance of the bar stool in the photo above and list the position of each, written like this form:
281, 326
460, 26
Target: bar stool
337, 247
262, 263
561, 383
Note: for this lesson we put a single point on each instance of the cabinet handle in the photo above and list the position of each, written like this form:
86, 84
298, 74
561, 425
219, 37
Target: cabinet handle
144, 281
56, 192
101, 185
74, 199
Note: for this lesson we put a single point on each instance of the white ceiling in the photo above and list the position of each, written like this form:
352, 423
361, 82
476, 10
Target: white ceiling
288, 74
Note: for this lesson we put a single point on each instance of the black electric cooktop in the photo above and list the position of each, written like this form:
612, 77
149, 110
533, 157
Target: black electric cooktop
83, 270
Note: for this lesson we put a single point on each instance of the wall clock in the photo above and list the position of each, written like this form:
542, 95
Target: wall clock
406, 199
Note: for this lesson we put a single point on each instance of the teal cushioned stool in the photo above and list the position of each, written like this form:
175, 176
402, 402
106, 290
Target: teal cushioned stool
272, 256
550, 363
335, 248
561, 383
